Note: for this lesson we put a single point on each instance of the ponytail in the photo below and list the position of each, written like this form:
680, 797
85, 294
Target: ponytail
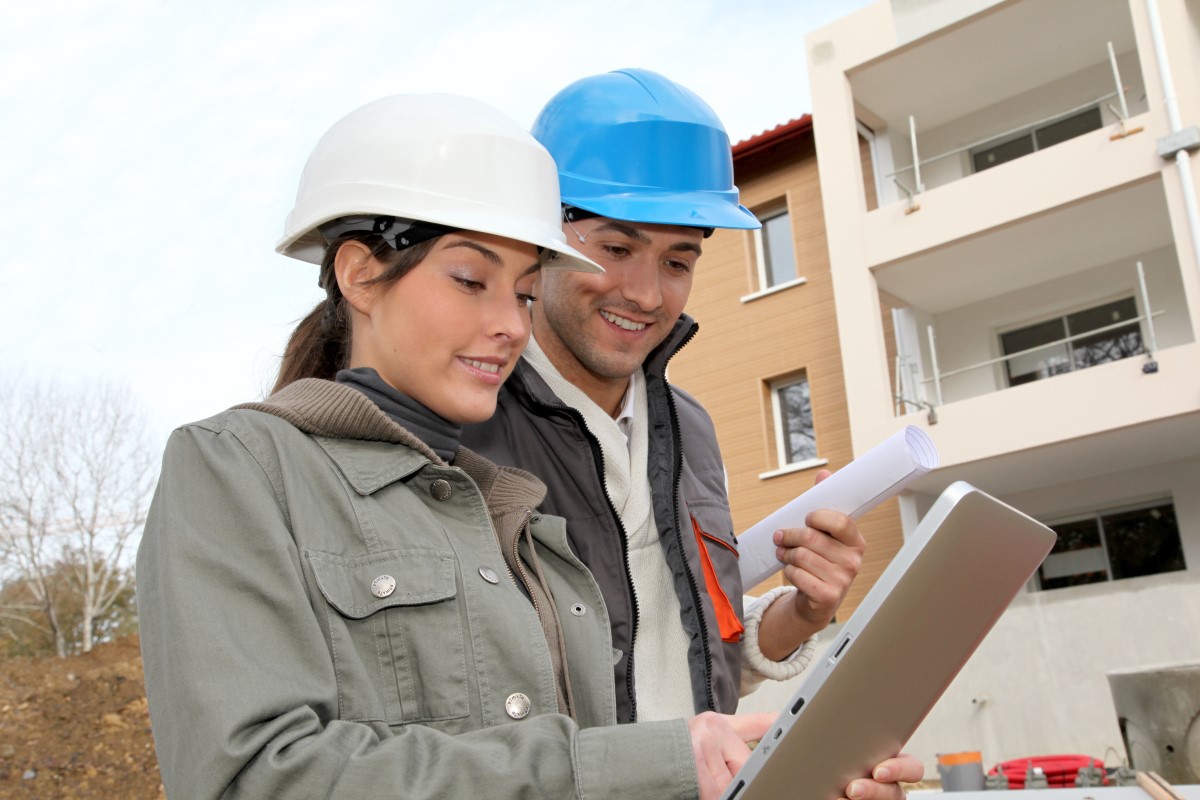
310, 351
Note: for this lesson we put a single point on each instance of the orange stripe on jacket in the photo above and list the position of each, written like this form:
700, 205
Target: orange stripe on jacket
727, 619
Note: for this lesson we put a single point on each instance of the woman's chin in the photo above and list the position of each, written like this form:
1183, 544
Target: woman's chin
467, 413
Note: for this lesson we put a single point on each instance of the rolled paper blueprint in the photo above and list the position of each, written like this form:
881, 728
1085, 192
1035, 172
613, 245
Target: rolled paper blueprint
855, 489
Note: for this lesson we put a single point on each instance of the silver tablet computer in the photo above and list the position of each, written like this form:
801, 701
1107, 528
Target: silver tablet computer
859, 704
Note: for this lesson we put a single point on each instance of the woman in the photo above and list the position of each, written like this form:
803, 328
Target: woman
335, 599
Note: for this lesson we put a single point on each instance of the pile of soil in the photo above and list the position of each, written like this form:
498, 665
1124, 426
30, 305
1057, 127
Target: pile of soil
77, 727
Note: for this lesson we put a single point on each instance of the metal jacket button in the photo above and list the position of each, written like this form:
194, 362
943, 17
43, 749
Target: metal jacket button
517, 705
489, 575
579, 609
383, 586
440, 489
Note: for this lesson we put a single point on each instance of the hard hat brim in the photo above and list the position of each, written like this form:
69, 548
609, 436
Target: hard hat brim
310, 246
690, 209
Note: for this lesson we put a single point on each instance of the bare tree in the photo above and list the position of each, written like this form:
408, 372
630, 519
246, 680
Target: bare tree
76, 475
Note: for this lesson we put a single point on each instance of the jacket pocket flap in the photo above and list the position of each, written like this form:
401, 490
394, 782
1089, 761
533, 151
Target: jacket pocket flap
403, 577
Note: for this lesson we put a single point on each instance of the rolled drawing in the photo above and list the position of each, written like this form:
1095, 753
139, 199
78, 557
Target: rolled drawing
880, 473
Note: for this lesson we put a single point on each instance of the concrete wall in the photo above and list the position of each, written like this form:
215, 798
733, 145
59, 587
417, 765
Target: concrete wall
916, 18
1037, 684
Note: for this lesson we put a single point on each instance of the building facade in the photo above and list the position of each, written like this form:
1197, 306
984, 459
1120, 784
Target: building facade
1009, 200
766, 363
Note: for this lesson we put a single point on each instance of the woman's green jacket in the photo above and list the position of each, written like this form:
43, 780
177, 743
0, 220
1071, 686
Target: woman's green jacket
326, 612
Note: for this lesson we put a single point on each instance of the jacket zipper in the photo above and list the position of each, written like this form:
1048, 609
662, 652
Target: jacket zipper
598, 458
520, 568
677, 470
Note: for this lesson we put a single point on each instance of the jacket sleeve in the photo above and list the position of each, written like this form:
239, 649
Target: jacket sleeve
755, 666
243, 695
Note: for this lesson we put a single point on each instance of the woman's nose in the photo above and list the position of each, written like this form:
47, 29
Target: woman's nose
508, 317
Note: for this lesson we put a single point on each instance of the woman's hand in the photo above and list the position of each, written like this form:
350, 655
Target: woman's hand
721, 744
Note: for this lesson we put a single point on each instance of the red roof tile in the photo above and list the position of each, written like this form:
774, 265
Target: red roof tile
793, 129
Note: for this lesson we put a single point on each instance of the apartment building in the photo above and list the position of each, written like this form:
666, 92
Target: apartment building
1009, 202
766, 363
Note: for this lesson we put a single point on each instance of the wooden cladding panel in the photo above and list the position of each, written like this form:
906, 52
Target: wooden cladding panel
742, 346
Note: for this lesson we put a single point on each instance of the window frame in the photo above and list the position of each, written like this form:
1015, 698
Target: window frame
775, 388
1030, 132
764, 215
1004, 367
1098, 516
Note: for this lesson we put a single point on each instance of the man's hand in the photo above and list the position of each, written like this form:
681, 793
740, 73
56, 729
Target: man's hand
885, 780
821, 561
720, 745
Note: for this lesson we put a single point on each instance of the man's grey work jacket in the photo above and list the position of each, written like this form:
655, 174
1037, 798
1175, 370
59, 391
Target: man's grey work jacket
327, 611
535, 430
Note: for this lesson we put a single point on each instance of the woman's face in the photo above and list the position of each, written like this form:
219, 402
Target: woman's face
449, 331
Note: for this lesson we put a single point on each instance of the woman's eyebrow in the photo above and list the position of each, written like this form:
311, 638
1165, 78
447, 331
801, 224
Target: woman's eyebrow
486, 252
491, 255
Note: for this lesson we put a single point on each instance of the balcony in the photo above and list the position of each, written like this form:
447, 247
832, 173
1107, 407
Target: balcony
1027, 76
1046, 296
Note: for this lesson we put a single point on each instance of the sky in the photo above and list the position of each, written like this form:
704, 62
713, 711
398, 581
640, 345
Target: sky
150, 150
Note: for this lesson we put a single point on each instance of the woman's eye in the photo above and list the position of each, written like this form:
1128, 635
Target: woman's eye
525, 299
469, 284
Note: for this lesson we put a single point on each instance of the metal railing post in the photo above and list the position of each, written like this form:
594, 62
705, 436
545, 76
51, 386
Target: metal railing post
896, 389
1150, 338
912, 135
937, 377
1112, 59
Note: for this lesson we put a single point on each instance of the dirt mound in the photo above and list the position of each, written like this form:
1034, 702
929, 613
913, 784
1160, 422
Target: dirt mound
77, 727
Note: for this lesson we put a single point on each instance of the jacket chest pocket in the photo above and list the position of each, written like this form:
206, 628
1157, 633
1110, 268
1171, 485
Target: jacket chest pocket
397, 635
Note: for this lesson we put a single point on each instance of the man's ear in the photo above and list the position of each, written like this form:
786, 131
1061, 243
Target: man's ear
354, 267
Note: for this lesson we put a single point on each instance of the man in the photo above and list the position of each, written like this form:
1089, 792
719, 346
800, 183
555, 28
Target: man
646, 173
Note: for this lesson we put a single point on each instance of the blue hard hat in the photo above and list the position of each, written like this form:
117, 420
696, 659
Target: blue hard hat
635, 146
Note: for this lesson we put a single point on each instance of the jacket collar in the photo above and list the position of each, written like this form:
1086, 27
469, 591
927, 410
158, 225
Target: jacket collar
681, 333
325, 408
345, 419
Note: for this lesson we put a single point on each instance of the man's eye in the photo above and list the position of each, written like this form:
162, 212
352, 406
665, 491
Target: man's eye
679, 266
615, 250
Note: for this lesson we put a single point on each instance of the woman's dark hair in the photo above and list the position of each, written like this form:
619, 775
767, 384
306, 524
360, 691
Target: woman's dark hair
320, 344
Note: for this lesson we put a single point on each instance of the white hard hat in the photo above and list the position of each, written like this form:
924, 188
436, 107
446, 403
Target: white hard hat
437, 158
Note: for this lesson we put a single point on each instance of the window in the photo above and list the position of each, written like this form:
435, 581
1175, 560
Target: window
1107, 332
792, 405
1038, 138
776, 252
1111, 545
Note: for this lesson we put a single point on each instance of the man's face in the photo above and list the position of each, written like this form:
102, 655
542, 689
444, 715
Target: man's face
598, 329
